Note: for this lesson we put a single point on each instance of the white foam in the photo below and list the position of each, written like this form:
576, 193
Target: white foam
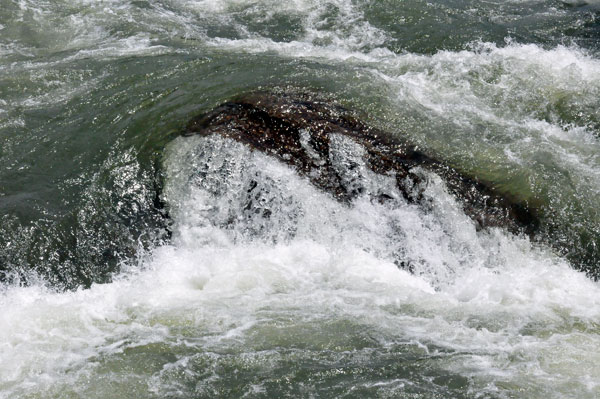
501, 303
512, 312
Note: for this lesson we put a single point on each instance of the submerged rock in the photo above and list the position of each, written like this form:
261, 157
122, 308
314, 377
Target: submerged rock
307, 134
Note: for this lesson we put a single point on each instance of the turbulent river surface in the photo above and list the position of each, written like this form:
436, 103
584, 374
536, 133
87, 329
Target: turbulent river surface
134, 263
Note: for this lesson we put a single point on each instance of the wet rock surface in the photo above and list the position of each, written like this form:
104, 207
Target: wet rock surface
302, 132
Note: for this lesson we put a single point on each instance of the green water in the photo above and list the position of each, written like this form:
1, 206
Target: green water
92, 95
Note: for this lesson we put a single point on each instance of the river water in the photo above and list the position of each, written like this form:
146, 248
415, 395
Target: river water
102, 296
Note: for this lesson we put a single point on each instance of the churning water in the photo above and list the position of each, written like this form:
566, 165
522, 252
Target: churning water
258, 284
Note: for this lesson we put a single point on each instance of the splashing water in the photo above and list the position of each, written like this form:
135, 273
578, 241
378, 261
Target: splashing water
267, 286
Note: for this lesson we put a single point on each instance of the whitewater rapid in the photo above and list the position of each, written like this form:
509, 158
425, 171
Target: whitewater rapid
487, 306
286, 291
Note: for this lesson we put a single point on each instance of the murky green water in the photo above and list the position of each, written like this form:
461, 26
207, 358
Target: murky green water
92, 97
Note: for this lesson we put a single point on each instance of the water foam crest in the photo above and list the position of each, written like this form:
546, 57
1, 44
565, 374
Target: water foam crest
502, 84
254, 242
363, 250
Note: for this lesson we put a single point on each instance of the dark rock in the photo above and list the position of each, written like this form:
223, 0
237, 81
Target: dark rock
298, 130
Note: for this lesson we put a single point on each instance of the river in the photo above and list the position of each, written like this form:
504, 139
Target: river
130, 266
